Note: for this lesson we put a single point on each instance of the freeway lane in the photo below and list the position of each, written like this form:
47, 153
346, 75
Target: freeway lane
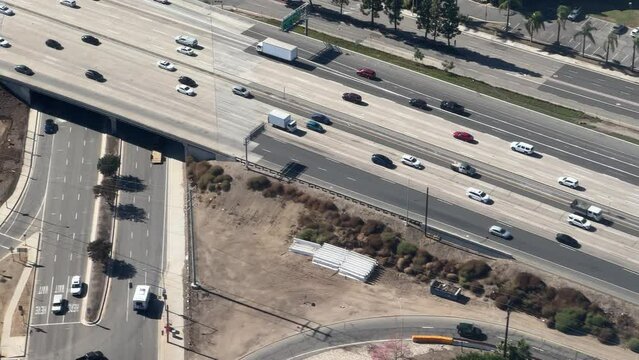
380, 191
312, 342
487, 115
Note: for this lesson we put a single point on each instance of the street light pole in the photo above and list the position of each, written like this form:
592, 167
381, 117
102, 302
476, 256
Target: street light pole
507, 324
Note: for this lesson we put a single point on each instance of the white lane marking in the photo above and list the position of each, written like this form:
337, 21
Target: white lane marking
428, 327
295, 160
60, 217
78, 196
62, 197
268, 151
82, 160
55, 257
71, 257
80, 178
631, 271
66, 162
567, 247
65, 179
321, 169
392, 182
350, 178
76, 216
445, 202
68, 144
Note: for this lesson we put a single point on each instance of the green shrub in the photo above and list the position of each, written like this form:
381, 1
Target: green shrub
608, 336
225, 186
212, 187
221, 178
308, 234
326, 236
501, 302
570, 320
203, 181
633, 344
406, 248
596, 320
477, 288
473, 269
216, 170
258, 183
373, 227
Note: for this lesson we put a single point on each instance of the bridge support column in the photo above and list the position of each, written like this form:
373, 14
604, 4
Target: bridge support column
113, 125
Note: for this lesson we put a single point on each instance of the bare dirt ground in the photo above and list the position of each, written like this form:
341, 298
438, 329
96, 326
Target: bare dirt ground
10, 270
13, 129
267, 292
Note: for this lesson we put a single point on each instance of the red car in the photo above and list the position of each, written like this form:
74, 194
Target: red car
367, 73
463, 136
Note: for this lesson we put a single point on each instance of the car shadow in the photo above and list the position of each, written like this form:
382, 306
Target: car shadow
361, 103
580, 188
299, 132
592, 229
473, 142
197, 47
536, 155
476, 176
606, 222
376, 79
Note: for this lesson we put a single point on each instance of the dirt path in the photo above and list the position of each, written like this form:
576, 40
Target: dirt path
266, 291
14, 116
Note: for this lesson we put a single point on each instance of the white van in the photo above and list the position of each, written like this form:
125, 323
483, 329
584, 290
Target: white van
57, 304
69, 3
141, 297
186, 40
522, 147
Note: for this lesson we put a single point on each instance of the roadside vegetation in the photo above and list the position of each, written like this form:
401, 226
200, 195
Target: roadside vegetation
207, 177
565, 309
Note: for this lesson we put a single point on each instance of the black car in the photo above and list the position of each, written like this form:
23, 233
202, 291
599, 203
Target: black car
24, 69
50, 127
382, 160
53, 44
321, 118
619, 29
187, 81
567, 240
92, 355
352, 97
418, 103
91, 40
294, 4
452, 107
470, 331
94, 75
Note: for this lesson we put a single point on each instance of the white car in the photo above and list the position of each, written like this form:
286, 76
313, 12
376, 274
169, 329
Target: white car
185, 50
57, 304
411, 161
522, 147
241, 90
69, 3
4, 9
4, 42
579, 221
76, 285
186, 90
634, 32
500, 231
478, 195
568, 181
163, 64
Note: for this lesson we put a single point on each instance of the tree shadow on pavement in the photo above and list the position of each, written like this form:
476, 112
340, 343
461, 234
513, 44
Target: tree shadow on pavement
130, 212
129, 183
412, 39
120, 269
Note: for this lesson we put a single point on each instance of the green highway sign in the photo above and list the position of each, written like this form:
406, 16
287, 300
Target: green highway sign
294, 17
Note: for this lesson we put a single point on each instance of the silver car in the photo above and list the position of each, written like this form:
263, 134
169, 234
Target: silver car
568, 181
241, 90
500, 231
186, 90
163, 64
4, 9
185, 50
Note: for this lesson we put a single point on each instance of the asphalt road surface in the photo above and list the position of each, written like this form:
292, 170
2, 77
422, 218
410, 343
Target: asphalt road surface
315, 340
387, 194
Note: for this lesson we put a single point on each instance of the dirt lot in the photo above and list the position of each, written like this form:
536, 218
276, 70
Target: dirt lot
242, 253
13, 129
10, 270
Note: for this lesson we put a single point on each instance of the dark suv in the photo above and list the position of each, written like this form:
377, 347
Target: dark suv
418, 103
470, 331
24, 69
452, 107
567, 240
53, 44
50, 127
94, 75
352, 97
187, 81
91, 40
382, 160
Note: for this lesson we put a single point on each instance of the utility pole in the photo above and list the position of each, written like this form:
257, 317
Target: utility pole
506, 335
426, 215
246, 141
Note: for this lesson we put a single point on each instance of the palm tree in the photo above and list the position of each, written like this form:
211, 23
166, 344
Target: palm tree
534, 23
562, 16
635, 45
506, 4
585, 32
611, 44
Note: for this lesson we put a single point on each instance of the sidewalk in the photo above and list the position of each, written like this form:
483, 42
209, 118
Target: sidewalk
171, 346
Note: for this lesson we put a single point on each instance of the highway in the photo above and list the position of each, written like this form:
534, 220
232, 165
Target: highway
360, 332
585, 268
492, 61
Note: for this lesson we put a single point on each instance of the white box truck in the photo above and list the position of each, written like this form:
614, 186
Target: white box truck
282, 120
141, 297
586, 209
278, 49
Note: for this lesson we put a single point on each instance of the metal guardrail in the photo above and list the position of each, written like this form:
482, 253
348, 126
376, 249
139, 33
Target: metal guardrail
280, 176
